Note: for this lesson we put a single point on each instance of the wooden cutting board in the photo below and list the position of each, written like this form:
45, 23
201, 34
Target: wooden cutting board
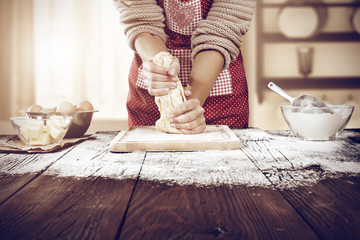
214, 137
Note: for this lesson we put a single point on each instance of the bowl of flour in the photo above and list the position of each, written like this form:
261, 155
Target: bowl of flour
317, 124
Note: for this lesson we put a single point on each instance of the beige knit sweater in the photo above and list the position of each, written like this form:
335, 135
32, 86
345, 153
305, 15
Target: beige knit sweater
222, 30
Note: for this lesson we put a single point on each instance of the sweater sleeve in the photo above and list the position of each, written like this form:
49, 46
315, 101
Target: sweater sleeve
141, 16
222, 30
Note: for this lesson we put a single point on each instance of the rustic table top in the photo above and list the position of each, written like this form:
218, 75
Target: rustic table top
274, 187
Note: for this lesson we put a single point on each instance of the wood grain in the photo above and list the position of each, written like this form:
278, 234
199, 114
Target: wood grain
202, 168
211, 212
328, 203
87, 192
331, 207
66, 208
214, 212
16, 170
54, 206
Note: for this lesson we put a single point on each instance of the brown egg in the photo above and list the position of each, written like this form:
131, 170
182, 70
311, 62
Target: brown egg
86, 105
79, 109
65, 107
35, 108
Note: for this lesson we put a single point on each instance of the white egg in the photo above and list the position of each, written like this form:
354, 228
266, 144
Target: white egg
35, 108
65, 107
47, 110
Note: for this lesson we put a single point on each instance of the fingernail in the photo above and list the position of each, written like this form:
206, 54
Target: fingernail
172, 71
174, 79
173, 125
174, 85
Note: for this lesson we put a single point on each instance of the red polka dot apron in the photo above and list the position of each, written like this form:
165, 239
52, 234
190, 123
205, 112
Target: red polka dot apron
227, 103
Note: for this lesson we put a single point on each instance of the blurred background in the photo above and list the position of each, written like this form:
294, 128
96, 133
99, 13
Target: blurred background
57, 50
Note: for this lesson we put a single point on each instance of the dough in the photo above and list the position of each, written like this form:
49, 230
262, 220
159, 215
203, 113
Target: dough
166, 103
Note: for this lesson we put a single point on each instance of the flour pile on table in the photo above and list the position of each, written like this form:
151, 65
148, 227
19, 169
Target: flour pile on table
267, 160
289, 162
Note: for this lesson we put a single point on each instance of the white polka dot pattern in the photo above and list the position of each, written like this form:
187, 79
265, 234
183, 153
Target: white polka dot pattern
231, 110
221, 87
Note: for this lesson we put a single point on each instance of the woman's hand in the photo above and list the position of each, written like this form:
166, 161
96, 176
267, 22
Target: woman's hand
159, 79
189, 116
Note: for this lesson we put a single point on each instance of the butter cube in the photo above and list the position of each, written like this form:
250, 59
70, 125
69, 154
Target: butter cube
59, 121
32, 129
54, 129
43, 139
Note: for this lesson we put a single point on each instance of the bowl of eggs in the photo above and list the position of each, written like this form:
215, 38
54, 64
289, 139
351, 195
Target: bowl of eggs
81, 115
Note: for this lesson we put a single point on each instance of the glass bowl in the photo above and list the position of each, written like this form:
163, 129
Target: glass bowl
42, 130
81, 121
317, 124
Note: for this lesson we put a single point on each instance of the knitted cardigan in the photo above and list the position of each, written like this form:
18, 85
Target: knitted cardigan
222, 30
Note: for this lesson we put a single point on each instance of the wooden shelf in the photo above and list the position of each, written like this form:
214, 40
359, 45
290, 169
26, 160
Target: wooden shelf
322, 37
318, 83
314, 82
310, 82
313, 4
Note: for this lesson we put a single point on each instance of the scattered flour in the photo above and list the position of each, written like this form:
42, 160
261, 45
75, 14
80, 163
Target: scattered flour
284, 161
202, 168
148, 134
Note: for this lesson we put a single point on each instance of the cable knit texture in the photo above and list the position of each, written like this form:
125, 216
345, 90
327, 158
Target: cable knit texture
222, 30
140, 16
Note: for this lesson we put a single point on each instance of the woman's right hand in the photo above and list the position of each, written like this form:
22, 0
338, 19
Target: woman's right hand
159, 79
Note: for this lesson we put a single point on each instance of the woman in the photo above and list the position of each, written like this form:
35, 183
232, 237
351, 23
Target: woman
205, 36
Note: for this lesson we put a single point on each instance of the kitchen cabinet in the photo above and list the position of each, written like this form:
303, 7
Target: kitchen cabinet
335, 47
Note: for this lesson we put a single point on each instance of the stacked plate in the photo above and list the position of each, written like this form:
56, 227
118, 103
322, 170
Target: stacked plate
301, 21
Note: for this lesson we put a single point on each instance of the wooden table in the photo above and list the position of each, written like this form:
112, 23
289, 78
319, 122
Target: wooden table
274, 187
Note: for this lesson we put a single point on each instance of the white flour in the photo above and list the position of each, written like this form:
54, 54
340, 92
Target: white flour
202, 168
318, 125
211, 133
284, 161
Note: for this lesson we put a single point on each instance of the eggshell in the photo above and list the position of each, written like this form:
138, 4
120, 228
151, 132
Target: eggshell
35, 108
65, 107
79, 109
47, 110
86, 105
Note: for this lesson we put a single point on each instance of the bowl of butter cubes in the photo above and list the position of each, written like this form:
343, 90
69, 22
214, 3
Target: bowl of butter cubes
41, 130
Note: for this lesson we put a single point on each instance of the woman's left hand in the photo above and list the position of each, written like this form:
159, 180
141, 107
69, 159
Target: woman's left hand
189, 117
